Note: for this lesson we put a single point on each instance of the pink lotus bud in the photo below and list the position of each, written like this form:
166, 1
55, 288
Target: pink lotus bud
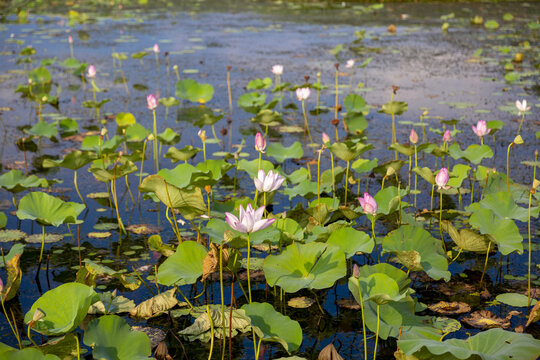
277, 69
442, 178
151, 102
91, 71
325, 138
302, 93
368, 204
156, 48
70, 39
260, 142
356, 271
447, 137
413, 137
481, 128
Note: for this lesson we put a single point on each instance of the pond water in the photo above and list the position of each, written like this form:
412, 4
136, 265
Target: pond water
457, 74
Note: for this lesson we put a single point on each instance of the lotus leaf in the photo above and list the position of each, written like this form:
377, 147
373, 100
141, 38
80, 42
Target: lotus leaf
394, 107
64, 306
348, 151
431, 255
364, 165
189, 89
112, 339
200, 329
96, 144
125, 167
493, 344
73, 161
15, 181
156, 305
252, 166
252, 102
301, 302
3, 220
155, 244
27, 354
466, 239
514, 299
290, 230
306, 188
282, 153
190, 203
11, 235
184, 267
300, 266
65, 347
109, 304
351, 241
271, 325
44, 129
474, 153
48, 210
16, 249
503, 231
181, 155
14, 276
169, 137
388, 200
136, 133
459, 173
504, 206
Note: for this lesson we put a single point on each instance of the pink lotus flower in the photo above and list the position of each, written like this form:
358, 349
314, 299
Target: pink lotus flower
350, 64
442, 179
268, 182
91, 71
325, 138
368, 204
260, 142
70, 39
156, 48
481, 128
522, 106
151, 102
249, 220
277, 69
447, 137
302, 93
413, 137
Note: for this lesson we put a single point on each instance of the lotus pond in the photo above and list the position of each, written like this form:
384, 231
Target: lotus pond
269, 180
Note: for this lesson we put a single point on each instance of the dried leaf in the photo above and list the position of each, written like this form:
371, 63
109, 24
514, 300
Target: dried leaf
211, 260
155, 306
449, 308
200, 329
13, 280
534, 316
329, 353
484, 319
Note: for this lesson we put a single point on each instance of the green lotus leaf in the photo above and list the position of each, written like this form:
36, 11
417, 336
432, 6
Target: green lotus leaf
48, 210
169, 101
3, 220
136, 133
493, 344
65, 307
190, 203
125, 119
351, 241
307, 189
430, 254
298, 176
348, 151
215, 168
208, 119
73, 161
181, 176
68, 127
252, 166
258, 84
514, 299
467, 239
184, 267
27, 354
290, 230
123, 168
503, 231
388, 200
44, 129
201, 327
111, 338
169, 137
139, 55
16, 249
361, 166
491, 24
183, 154
282, 153
99, 146
15, 181
426, 174
270, 325
396, 165
406, 150
189, 89
155, 244
504, 206
267, 116
252, 102
459, 173
474, 153
305, 266
354, 103
65, 347
109, 304
394, 107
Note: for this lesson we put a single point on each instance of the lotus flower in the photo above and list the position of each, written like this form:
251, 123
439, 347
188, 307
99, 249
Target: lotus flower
70, 39
91, 71
481, 128
260, 142
522, 106
277, 70
413, 137
156, 48
350, 64
368, 204
442, 179
447, 137
151, 102
302, 93
268, 182
202, 134
325, 138
250, 220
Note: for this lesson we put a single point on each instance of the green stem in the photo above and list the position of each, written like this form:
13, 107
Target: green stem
377, 332
156, 161
319, 183
42, 244
248, 273
374, 238
521, 123
508, 167
346, 182
211, 332
9, 322
78, 347
30, 337
415, 177
363, 317
529, 234
440, 215
485, 263
333, 176
77, 188
142, 164
222, 299
306, 126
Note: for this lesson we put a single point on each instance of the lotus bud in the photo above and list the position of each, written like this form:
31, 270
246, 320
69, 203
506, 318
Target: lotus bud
356, 271
151, 102
350, 64
260, 142
447, 137
390, 171
104, 131
202, 134
425, 113
38, 315
44, 98
175, 67
413, 137
481, 128
91, 71
151, 137
442, 178
70, 39
113, 294
277, 70
369, 204
535, 184
518, 140
156, 48
29, 81
325, 138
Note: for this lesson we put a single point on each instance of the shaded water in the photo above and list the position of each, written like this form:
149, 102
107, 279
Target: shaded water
434, 69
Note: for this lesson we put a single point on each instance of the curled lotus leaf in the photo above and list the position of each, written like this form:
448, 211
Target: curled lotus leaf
329, 352
466, 239
184, 154
14, 277
156, 305
48, 210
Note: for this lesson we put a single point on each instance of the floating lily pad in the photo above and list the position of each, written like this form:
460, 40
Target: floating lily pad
301, 302
98, 234
450, 308
485, 319
143, 229
11, 235
513, 299
49, 238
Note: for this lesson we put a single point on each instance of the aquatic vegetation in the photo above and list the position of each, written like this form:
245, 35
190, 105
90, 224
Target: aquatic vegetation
228, 247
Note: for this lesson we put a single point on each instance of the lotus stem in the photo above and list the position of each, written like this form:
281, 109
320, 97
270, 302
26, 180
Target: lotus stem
317, 300
485, 263
337, 94
204, 149
383, 180
9, 322
508, 166
95, 100
363, 318
415, 177
440, 215
248, 273
264, 204
454, 259
521, 123
30, 337
211, 333
319, 183
142, 280
156, 161
229, 89
142, 164
377, 332
120, 223
394, 137
472, 187
346, 182
77, 188
258, 169
318, 92
42, 244
410, 168
128, 187
222, 299
529, 233
333, 176
374, 238
185, 298
78, 347
306, 125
